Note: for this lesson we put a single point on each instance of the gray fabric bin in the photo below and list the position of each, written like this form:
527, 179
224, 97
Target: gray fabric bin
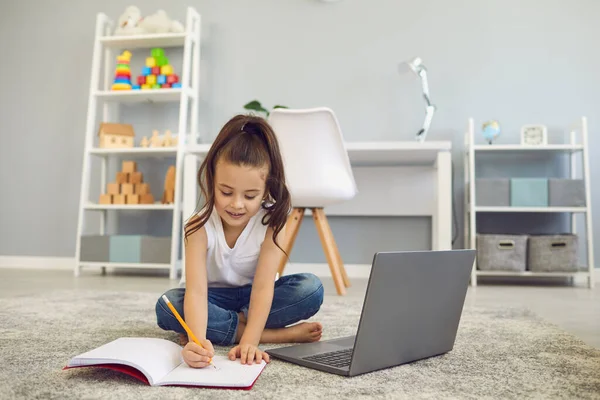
553, 253
566, 192
494, 192
95, 248
501, 252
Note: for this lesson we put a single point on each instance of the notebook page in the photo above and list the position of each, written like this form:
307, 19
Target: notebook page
155, 358
227, 374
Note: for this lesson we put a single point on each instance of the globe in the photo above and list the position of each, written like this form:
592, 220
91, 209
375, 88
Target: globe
490, 130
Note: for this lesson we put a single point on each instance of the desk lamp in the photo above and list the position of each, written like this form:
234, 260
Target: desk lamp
416, 65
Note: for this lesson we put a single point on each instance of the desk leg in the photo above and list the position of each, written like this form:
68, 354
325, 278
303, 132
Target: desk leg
190, 197
441, 220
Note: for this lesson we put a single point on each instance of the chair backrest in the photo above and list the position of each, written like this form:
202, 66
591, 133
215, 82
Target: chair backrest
317, 167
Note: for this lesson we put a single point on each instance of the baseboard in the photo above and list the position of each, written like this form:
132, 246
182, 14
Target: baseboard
29, 262
356, 271
321, 270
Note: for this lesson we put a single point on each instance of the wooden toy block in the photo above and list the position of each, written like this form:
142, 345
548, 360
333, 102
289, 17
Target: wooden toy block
127, 188
166, 69
122, 177
119, 199
145, 142
113, 188
129, 166
133, 198
150, 62
151, 80
146, 198
105, 199
135, 178
156, 70
169, 188
142, 188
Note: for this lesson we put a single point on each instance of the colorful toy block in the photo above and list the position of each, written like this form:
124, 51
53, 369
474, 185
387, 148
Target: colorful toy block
141, 79
146, 86
176, 85
157, 52
172, 79
135, 87
161, 79
151, 79
166, 86
146, 71
166, 70
156, 70
150, 62
156, 86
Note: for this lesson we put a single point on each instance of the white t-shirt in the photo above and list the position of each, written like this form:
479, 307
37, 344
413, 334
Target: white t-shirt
232, 267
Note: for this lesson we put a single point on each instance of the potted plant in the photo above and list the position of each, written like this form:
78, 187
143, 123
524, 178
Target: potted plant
255, 105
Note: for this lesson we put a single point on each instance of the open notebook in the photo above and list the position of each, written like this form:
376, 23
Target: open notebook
158, 362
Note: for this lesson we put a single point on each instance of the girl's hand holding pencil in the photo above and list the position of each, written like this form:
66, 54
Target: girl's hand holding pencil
198, 356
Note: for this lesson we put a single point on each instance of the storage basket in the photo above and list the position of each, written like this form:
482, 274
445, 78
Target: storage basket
553, 253
501, 252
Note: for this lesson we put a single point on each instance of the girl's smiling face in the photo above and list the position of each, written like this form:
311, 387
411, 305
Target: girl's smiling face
239, 192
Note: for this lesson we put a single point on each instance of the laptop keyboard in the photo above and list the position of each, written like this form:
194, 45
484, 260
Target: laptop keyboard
338, 358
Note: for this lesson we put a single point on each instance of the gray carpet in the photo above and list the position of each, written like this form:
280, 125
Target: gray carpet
499, 353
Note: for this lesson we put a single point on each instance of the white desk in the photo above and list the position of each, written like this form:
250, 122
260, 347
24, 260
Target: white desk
393, 178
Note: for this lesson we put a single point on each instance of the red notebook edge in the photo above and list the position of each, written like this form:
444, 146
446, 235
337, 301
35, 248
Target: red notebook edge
126, 369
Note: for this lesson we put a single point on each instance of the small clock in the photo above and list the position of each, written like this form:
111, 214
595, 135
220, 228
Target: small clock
534, 135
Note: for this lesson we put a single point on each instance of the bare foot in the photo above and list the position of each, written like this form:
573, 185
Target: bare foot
183, 339
305, 332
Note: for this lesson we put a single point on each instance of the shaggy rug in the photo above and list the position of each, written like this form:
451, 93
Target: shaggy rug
499, 353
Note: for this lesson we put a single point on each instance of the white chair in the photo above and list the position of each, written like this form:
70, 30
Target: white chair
318, 174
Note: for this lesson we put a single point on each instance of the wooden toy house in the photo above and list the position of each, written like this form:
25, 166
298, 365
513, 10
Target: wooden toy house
114, 136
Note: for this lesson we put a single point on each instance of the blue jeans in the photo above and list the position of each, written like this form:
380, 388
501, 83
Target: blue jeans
295, 297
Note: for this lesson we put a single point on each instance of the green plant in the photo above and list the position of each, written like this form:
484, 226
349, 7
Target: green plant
255, 105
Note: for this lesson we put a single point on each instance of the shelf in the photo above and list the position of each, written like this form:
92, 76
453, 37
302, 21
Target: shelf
517, 148
123, 265
144, 41
532, 274
155, 206
136, 151
531, 209
141, 96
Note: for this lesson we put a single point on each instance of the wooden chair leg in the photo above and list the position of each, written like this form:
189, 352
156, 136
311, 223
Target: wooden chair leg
328, 243
291, 231
339, 260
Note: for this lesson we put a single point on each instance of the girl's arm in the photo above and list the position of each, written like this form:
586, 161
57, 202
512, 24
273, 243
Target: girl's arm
261, 296
195, 302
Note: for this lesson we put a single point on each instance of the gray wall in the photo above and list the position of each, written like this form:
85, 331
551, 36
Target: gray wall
515, 61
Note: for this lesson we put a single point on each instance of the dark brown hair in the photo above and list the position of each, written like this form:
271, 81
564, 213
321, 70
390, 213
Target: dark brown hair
249, 141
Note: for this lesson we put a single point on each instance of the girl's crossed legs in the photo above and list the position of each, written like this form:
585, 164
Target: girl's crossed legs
295, 298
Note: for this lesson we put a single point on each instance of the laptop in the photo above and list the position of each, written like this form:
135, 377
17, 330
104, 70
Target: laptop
411, 311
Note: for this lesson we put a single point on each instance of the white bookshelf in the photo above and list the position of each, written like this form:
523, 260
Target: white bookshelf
105, 105
577, 146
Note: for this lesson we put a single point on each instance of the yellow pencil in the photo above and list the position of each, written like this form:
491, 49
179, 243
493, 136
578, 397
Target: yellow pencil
185, 326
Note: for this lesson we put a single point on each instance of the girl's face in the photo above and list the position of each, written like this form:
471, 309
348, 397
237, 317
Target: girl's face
239, 192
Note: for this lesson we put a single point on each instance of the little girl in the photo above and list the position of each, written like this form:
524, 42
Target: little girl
232, 252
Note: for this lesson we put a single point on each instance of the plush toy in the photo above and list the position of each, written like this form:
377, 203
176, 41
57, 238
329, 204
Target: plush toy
131, 22
159, 22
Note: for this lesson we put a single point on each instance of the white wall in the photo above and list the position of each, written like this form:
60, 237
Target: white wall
515, 61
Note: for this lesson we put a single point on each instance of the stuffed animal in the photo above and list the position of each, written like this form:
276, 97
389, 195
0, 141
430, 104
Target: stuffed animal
128, 23
131, 22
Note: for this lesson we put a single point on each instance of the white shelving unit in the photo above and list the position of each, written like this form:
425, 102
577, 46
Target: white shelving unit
574, 148
106, 47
